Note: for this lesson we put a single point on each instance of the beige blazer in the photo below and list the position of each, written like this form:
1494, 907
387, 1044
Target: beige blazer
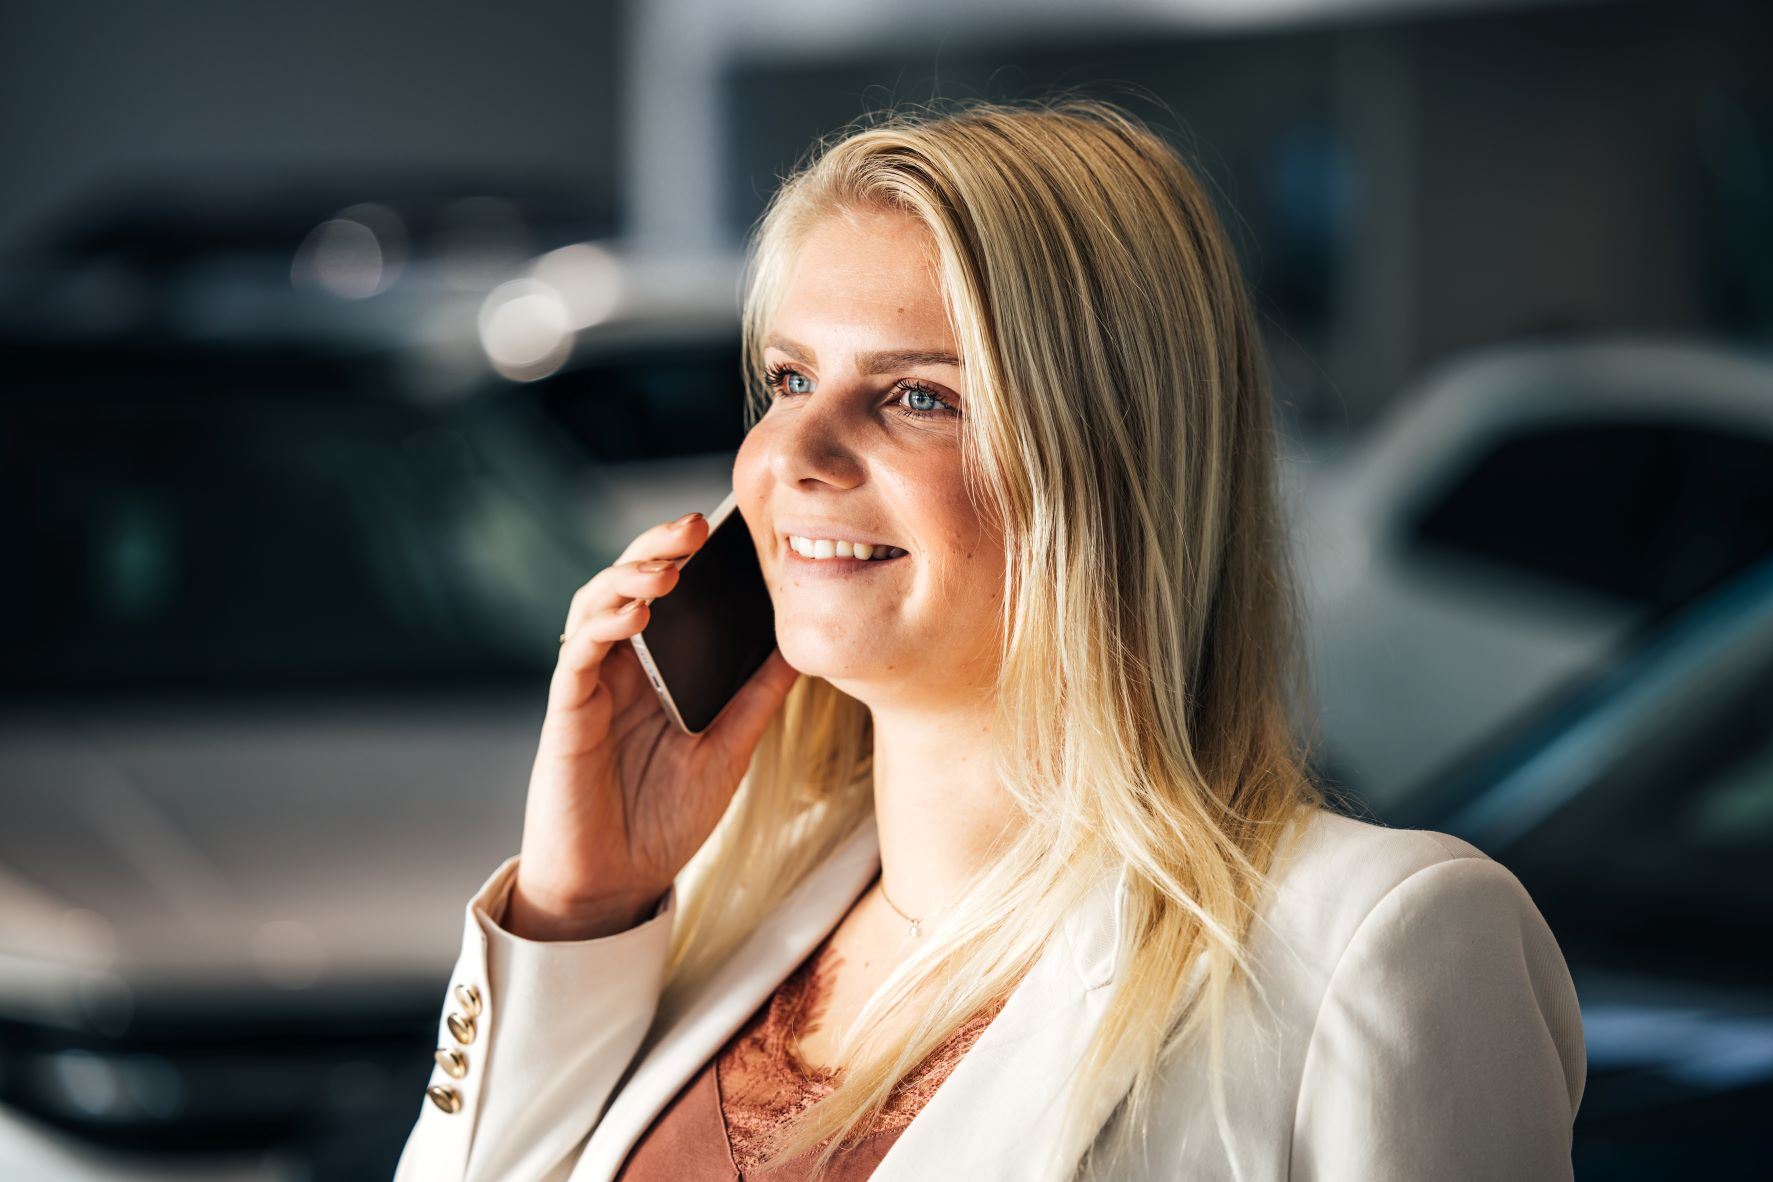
1419, 1024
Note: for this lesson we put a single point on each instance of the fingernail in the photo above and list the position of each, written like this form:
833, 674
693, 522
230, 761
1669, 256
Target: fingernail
686, 519
655, 566
631, 605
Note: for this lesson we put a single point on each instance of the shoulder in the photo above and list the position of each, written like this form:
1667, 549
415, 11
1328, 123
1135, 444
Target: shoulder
1422, 952
1410, 1016
1332, 872
1444, 1022
1410, 921
1329, 874
1358, 858
1351, 899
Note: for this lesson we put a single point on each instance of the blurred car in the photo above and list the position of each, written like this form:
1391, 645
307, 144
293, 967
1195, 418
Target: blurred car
638, 361
31, 1152
394, 266
1636, 806
296, 570
1516, 516
280, 645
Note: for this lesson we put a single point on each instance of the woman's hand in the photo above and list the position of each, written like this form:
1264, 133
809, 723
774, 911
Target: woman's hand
619, 798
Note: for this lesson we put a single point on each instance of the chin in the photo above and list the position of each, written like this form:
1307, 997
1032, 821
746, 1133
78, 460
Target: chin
817, 653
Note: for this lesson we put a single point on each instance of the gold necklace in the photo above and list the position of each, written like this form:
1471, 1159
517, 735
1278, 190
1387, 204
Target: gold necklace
915, 923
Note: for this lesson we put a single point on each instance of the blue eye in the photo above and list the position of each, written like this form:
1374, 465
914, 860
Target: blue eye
921, 402
779, 378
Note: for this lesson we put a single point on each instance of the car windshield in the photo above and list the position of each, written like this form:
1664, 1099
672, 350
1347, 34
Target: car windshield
1650, 513
201, 524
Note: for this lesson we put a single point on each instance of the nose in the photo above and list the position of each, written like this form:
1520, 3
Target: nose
812, 444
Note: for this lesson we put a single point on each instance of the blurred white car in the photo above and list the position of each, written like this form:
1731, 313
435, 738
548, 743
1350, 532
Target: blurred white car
278, 656
283, 640
1519, 512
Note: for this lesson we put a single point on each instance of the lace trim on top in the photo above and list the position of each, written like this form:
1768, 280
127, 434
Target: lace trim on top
764, 1083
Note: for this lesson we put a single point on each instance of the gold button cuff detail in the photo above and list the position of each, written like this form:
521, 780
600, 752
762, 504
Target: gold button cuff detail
445, 1098
462, 1027
454, 1064
468, 998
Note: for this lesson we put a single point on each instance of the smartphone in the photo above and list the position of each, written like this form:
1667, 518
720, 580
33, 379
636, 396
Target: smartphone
714, 630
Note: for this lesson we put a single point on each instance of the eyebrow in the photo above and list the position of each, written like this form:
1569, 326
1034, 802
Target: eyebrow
884, 361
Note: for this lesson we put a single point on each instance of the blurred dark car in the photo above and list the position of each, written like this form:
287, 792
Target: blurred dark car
1636, 806
278, 652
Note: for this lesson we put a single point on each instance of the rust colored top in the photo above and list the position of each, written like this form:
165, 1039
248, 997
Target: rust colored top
718, 1126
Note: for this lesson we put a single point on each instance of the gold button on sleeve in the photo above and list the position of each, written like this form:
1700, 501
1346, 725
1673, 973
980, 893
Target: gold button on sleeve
444, 1098
461, 1027
453, 1063
468, 998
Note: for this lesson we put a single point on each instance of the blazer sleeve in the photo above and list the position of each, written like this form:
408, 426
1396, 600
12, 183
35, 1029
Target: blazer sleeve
544, 1032
1449, 1043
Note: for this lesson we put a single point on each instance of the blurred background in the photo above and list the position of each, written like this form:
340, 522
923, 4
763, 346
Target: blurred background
342, 342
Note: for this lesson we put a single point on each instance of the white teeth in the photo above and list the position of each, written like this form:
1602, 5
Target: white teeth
818, 548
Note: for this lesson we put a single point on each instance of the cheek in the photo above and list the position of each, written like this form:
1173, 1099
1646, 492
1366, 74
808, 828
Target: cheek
941, 492
749, 467
971, 562
751, 486
978, 548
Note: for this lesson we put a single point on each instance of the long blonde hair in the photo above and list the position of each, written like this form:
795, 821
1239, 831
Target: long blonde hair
1118, 431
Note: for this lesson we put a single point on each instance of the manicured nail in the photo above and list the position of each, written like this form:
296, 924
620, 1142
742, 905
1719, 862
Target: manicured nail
656, 565
631, 605
686, 519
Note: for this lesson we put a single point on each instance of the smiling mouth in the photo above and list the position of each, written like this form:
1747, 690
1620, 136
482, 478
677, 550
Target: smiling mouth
829, 550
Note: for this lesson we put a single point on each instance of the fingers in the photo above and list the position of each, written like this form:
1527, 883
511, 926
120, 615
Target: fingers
673, 539
585, 647
614, 586
614, 605
647, 569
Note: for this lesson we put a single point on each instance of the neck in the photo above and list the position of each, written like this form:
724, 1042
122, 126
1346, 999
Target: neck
939, 809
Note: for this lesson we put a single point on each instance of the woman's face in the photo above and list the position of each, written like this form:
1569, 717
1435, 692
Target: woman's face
862, 444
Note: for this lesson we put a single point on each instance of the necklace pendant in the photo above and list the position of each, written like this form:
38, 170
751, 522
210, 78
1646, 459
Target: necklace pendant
914, 929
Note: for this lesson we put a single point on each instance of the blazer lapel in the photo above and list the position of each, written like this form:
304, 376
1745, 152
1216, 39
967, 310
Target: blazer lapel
731, 995
997, 1115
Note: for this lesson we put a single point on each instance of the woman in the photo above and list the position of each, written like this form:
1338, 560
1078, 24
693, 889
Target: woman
1006, 864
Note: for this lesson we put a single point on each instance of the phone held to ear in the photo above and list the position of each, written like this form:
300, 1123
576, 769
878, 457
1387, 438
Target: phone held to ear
714, 630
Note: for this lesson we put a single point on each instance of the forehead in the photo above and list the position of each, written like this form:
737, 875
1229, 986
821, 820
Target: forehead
870, 266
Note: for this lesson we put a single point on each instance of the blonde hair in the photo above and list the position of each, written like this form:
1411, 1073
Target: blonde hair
1118, 431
